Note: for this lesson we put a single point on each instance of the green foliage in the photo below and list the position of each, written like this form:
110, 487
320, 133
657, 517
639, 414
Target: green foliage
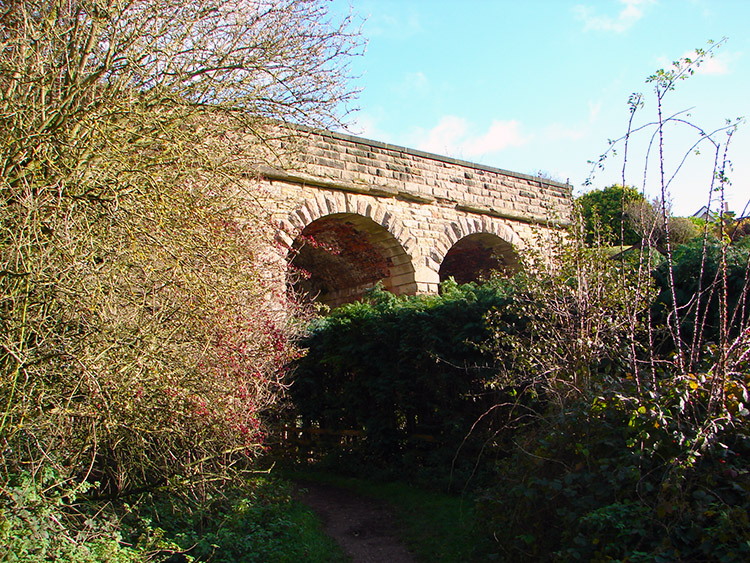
603, 213
699, 222
643, 462
42, 519
255, 523
739, 229
622, 478
399, 367
698, 268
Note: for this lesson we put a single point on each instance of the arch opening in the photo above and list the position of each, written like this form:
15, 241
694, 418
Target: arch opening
478, 256
336, 258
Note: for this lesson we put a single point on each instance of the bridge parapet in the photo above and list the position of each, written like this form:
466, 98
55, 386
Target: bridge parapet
426, 177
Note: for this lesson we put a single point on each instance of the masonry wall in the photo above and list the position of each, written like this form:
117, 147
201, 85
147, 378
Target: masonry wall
426, 202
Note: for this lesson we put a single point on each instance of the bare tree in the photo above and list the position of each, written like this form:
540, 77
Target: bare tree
137, 344
649, 221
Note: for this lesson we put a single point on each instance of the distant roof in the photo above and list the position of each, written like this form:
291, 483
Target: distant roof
709, 214
705, 213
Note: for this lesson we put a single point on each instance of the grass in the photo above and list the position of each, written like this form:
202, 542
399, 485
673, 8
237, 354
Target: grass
312, 544
436, 527
260, 522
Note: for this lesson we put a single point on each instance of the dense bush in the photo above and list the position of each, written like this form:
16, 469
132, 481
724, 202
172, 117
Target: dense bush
396, 368
138, 349
42, 520
603, 212
628, 457
642, 462
257, 521
622, 478
698, 269
254, 521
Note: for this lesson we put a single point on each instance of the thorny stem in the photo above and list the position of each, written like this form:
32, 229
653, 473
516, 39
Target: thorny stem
721, 366
675, 324
635, 102
697, 324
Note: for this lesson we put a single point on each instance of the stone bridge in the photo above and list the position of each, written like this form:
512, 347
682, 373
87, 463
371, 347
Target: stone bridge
356, 211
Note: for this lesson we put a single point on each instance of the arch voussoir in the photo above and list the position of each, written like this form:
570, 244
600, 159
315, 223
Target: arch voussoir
462, 227
322, 205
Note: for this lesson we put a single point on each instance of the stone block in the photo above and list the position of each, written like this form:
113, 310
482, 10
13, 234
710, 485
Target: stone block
417, 230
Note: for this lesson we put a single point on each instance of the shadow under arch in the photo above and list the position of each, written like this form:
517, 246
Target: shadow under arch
477, 256
337, 257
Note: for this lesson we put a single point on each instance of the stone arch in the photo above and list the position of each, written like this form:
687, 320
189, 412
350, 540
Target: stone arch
332, 203
473, 247
337, 256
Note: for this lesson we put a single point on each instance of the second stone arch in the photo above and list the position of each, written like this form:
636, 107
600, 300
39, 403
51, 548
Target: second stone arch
477, 257
473, 250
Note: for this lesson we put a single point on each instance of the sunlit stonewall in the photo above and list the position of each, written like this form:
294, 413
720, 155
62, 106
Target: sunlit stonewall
353, 212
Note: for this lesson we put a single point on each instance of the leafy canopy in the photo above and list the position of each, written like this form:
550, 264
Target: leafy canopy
603, 213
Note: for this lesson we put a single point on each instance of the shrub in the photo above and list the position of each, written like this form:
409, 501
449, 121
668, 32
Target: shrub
253, 522
699, 281
396, 368
604, 214
139, 342
41, 520
583, 315
622, 478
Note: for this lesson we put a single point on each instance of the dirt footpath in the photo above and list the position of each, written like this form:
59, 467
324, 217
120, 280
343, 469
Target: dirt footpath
365, 528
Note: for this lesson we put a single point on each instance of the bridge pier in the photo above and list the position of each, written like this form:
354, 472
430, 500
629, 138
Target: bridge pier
426, 280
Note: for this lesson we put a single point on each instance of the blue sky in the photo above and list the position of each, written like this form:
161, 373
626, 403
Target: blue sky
539, 86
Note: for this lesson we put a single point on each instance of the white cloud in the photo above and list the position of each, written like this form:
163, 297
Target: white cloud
398, 25
445, 137
631, 12
500, 135
367, 125
455, 136
719, 64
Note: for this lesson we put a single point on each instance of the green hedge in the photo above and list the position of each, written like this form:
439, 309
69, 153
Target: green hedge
396, 367
687, 264
621, 478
